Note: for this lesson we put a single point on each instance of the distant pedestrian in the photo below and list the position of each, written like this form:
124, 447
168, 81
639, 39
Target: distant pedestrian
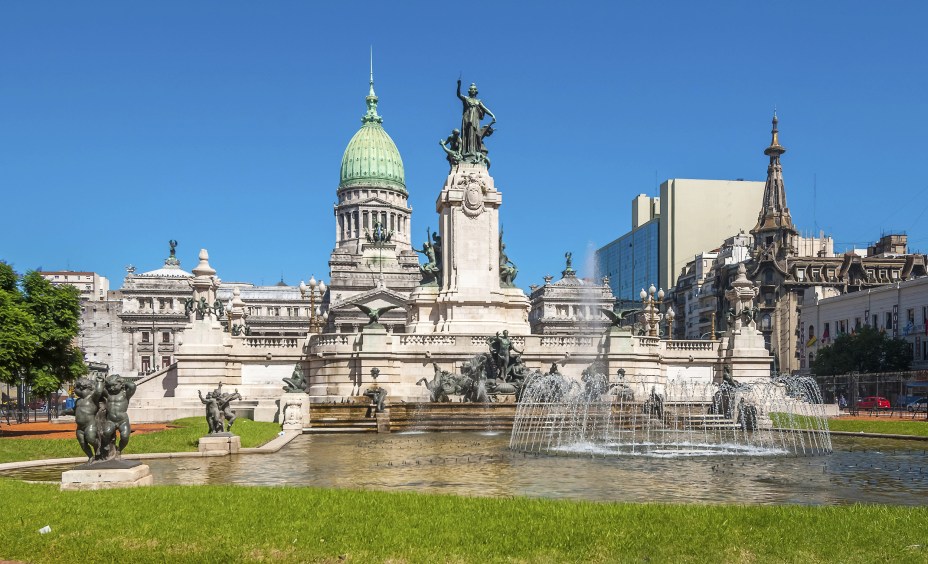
842, 402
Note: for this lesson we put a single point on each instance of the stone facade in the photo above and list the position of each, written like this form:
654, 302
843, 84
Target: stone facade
570, 306
784, 265
373, 237
900, 310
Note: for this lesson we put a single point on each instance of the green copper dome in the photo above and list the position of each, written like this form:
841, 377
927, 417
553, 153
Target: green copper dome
371, 158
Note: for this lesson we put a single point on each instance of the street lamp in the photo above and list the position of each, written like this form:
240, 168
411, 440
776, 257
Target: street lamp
315, 312
651, 307
670, 316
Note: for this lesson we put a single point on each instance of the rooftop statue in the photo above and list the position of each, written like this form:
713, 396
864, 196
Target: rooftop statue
472, 133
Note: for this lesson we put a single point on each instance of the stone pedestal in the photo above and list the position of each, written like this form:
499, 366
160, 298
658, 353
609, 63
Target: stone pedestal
107, 475
294, 411
225, 443
383, 421
747, 355
469, 298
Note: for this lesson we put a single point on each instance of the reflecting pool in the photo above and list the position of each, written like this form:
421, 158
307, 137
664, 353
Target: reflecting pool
481, 464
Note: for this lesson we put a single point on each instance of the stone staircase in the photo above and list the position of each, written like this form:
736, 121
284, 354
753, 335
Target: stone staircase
432, 417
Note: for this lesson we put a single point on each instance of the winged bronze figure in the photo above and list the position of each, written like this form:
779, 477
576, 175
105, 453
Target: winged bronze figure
374, 313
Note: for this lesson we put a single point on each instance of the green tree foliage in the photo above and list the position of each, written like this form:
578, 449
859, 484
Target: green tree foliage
38, 323
867, 350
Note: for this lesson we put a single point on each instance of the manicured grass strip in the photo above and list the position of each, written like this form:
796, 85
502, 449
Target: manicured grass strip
904, 427
179, 439
912, 427
234, 524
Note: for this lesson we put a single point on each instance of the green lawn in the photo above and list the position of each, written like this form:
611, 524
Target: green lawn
234, 524
183, 437
916, 427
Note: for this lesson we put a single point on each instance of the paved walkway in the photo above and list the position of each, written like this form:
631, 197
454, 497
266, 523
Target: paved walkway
64, 430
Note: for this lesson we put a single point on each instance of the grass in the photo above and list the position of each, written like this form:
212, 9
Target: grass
234, 523
916, 427
182, 436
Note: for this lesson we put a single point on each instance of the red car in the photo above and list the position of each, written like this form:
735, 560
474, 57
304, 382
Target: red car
873, 402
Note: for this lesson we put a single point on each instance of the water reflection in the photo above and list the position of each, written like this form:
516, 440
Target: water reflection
860, 470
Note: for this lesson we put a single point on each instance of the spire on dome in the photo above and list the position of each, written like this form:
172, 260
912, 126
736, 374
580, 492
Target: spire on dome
371, 99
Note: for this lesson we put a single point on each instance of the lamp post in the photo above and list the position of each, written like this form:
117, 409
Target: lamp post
315, 312
670, 315
651, 303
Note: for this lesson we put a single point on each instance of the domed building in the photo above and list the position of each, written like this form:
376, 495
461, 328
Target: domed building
373, 262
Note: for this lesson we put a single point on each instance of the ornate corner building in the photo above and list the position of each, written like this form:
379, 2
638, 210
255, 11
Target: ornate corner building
783, 265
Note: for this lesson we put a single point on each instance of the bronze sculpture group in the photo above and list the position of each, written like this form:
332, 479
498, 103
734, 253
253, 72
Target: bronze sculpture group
219, 414
431, 249
465, 145
100, 412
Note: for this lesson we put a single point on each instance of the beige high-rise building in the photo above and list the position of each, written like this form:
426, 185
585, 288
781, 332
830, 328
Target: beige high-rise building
91, 285
697, 215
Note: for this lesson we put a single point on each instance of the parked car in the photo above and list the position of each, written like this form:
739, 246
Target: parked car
921, 404
873, 402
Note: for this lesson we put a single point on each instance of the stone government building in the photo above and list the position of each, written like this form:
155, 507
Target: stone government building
138, 329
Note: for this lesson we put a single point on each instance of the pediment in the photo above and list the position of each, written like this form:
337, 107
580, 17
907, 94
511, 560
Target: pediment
376, 298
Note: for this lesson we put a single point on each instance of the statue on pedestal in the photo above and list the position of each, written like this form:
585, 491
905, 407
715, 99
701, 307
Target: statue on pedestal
471, 148
296, 383
504, 354
100, 412
507, 268
219, 414
431, 270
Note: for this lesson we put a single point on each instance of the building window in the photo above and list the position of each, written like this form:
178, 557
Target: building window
165, 361
895, 274
765, 323
146, 363
889, 320
831, 273
873, 318
800, 275
165, 336
857, 323
145, 336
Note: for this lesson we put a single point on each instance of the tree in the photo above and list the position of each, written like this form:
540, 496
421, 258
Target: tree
38, 323
866, 350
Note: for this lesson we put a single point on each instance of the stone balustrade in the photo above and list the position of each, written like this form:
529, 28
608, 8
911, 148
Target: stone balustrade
649, 341
416, 339
692, 345
565, 341
273, 342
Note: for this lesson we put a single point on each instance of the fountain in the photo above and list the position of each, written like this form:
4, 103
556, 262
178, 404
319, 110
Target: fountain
680, 418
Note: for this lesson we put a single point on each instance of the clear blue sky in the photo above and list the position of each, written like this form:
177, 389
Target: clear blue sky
222, 124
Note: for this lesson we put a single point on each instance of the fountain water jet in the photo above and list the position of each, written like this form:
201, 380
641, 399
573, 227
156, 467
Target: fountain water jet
680, 418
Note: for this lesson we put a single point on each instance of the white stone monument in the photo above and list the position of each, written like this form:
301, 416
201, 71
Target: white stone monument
469, 296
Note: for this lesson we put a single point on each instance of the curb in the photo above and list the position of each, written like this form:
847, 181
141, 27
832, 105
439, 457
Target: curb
268, 448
